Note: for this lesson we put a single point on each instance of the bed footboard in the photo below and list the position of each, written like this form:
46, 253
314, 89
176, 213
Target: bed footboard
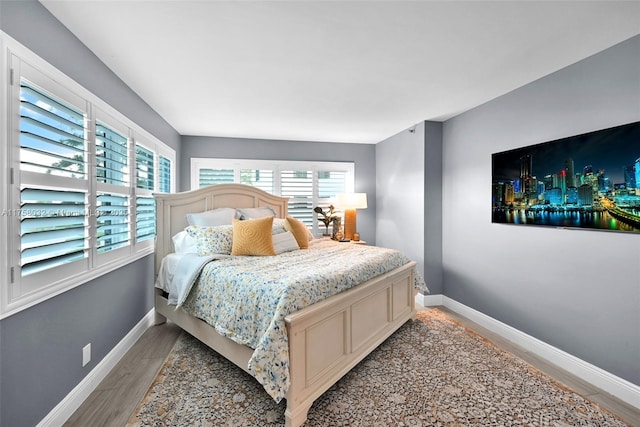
329, 338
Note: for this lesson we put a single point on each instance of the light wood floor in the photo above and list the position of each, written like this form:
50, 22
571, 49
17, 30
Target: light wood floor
112, 403
115, 399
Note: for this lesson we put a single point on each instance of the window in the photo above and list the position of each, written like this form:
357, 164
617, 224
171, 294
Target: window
52, 229
52, 142
145, 218
146, 179
112, 156
145, 170
298, 186
307, 184
112, 231
113, 188
164, 169
81, 182
49, 230
263, 179
210, 176
52, 134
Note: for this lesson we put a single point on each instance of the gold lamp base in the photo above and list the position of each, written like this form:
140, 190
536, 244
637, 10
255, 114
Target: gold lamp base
349, 223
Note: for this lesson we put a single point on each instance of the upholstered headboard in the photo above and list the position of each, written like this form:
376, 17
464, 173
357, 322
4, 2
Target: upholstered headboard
172, 208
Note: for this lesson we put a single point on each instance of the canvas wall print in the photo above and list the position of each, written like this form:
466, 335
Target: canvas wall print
588, 181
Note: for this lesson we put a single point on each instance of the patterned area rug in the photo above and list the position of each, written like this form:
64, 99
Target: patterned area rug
431, 372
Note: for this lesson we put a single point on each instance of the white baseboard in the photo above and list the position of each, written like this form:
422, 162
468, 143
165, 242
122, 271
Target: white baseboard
606, 381
429, 300
63, 410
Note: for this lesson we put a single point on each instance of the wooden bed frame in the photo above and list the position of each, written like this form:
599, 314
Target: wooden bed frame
326, 339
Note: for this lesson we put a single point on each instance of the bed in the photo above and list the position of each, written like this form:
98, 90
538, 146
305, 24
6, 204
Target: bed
324, 339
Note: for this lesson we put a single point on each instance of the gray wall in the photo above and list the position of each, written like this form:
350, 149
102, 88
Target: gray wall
400, 186
433, 206
409, 186
41, 347
577, 290
363, 155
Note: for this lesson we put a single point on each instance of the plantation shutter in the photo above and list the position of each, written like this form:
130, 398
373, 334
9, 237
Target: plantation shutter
145, 226
145, 171
52, 135
112, 156
331, 183
306, 184
215, 176
53, 226
298, 186
113, 195
164, 172
52, 229
112, 222
145, 218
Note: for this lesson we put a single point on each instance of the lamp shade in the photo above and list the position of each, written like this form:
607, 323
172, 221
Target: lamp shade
351, 201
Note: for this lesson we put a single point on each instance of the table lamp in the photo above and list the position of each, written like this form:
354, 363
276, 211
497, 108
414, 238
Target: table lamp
349, 202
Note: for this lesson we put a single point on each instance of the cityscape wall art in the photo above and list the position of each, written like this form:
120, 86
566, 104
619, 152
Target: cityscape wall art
588, 181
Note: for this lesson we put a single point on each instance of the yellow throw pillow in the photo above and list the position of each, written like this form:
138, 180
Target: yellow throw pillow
299, 230
253, 237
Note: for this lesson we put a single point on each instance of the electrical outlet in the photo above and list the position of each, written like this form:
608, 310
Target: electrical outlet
86, 354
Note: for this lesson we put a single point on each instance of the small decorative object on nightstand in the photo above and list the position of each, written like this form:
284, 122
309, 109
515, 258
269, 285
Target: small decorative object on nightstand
336, 228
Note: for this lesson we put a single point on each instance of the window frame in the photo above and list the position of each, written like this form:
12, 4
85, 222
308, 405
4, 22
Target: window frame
277, 166
16, 292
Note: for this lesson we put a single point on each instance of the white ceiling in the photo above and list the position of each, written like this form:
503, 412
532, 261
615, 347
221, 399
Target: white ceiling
342, 71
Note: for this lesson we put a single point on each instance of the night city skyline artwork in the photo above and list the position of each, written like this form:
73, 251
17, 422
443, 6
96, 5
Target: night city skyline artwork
589, 181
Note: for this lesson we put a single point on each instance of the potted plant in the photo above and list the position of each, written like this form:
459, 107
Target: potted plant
326, 217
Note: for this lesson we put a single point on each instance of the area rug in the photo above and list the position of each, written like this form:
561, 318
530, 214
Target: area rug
431, 372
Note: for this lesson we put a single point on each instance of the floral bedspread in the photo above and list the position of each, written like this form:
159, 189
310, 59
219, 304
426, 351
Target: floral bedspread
247, 298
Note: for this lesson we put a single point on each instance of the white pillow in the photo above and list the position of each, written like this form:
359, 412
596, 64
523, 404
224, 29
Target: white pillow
212, 218
183, 243
254, 213
278, 226
284, 242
